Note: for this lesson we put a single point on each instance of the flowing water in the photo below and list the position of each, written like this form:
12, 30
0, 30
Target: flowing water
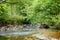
45, 34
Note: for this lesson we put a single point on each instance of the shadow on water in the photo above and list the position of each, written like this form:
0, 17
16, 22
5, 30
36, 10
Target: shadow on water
3, 38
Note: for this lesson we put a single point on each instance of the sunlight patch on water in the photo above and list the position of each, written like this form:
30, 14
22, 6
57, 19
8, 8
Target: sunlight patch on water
16, 33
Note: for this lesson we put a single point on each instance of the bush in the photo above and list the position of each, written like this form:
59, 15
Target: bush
35, 11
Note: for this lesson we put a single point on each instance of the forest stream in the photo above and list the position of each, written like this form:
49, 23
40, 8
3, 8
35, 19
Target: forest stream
41, 34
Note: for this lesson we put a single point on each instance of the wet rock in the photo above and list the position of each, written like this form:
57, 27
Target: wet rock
58, 26
44, 26
41, 36
2, 29
53, 39
24, 26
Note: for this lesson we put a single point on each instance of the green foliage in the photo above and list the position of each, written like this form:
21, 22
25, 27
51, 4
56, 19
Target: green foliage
3, 13
44, 11
35, 11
